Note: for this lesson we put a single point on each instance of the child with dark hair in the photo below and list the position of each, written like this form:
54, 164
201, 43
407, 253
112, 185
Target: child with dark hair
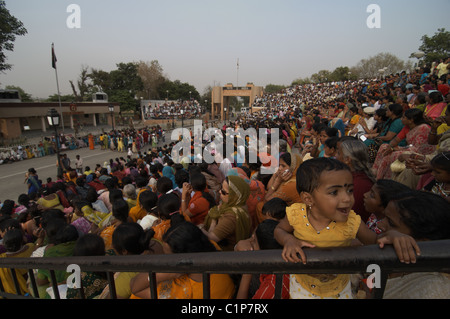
376, 200
440, 169
423, 216
325, 219
275, 209
198, 205
330, 147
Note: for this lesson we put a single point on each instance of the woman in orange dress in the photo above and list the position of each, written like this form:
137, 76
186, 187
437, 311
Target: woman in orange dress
283, 183
184, 237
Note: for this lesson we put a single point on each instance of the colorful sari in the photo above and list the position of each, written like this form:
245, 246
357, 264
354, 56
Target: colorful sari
417, 138
257, 192
239, 191
5, 273
287, 191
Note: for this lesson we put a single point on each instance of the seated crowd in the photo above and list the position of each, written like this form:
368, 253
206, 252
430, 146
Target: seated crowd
366, 163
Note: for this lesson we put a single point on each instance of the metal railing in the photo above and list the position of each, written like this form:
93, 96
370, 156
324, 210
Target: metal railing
435, 257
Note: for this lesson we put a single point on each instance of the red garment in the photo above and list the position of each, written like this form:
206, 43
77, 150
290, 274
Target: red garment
362, 184
266, 289
444, 89
97, 185
199, 207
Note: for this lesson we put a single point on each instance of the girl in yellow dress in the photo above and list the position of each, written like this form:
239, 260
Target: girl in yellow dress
325, 219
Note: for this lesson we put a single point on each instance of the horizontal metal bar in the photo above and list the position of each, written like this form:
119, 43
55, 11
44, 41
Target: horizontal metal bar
435, 256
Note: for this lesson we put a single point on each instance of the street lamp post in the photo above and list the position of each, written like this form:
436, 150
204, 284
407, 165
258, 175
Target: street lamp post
182, 118
173, 119
111, 110
53, 121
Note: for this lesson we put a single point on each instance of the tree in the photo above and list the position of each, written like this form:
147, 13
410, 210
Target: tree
151, 74
341, 74
85, 87
273, 88
371, 67
436, 47
321, 76
10, 27
24, 97
178, 91
121, 85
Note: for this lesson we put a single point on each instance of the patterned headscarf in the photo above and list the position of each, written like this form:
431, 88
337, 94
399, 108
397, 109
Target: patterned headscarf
239, 191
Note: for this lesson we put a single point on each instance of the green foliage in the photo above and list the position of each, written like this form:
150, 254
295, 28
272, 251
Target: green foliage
176, 90
64, 98
24, 97
273, 88
436, 47
10, 27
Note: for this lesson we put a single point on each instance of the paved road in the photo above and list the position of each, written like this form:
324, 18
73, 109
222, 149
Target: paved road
12, 176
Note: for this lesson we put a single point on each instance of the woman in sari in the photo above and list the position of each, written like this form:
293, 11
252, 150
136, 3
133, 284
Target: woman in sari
229, 222
416, 139
61, 244
283, 183
168, 172
436, 106
184, 237
389, 131
257, 193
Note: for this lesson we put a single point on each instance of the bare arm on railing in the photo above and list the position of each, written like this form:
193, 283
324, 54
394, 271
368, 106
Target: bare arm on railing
405, 246
292, 246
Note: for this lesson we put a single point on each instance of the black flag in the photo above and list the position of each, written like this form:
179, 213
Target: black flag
53, 57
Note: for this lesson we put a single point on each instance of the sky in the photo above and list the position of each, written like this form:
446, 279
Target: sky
200, 41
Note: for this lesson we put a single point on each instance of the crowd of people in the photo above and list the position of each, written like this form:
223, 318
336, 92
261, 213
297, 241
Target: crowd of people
173, 109
359, 163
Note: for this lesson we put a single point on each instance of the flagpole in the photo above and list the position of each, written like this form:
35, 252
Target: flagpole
57, 85
237, 81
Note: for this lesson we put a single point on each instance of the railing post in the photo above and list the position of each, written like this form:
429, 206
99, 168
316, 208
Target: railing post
153, 285
206, 286
33, 283
112, 285
54, 284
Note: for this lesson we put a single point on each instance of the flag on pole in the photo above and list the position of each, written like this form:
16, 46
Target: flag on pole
53, 57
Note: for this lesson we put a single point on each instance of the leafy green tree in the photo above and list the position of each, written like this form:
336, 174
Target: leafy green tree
342, 73
64, 98
10, 27
177, 90
121, 85
436, 47
321, 76
25, 97
273, 88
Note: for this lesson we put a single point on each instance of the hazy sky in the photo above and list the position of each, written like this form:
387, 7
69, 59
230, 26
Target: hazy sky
199, 41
